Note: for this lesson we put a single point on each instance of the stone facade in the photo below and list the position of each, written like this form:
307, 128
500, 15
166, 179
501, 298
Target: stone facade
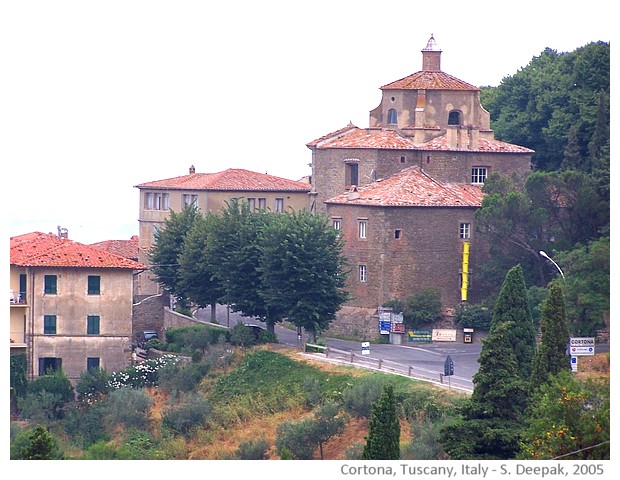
414, 178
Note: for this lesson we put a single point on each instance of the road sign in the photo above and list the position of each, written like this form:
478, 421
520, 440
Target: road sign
365, 348
573, 364
581, 346
579, 351
448, 367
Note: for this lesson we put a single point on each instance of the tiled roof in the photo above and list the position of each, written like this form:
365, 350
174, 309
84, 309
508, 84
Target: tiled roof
427, 80
484, 145
332, 135
124, 248
232, 179
390, 139
411, 187
48, 250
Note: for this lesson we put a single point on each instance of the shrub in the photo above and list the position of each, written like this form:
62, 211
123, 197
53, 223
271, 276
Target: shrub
92, 386
179, 378
85, 424
128, 407
188, 416
358, 399
144, 374
253, 450
50, 392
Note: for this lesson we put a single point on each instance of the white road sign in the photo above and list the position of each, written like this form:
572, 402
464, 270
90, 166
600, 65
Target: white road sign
581, 346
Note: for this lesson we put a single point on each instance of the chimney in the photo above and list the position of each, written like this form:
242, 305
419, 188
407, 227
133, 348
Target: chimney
192, 170
431, 56
63, 232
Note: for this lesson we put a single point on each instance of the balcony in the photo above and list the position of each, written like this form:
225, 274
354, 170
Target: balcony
18, 299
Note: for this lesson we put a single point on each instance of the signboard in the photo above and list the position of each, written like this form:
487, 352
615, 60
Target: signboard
398, 327
365, 348
384, 327
448, 367
579, 346
573, 364
420, 336
444, 335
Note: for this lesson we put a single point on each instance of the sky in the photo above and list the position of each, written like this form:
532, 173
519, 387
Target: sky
97, 97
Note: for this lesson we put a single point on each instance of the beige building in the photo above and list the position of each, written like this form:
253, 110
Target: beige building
209, 192
71, 305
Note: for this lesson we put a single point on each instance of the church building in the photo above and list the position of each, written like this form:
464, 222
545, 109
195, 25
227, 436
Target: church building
404, 191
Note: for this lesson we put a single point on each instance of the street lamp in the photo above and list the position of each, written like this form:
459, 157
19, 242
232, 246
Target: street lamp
555, 264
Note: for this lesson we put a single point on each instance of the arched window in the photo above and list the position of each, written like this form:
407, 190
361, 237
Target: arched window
392, 117
454, 118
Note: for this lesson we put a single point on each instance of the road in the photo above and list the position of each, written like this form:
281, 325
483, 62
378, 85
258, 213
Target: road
424, 361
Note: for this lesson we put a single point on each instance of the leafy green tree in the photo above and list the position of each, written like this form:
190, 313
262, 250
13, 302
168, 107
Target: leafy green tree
236, 251
570, 419
93, 385
41, 446
302, 269
512, 308
328, 422
197, 271
47, 396
383, 441
551, 357
169, 242
587, 286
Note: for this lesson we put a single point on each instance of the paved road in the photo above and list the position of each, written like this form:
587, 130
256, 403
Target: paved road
424, 361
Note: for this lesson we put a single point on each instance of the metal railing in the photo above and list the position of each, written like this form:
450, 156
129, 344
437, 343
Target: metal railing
388, 366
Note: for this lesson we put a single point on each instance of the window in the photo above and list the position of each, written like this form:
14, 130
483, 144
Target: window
279, 205
392, 120
397, 234
156, 201
252, 204
337, 223
352, 174
92, 324
478, 175
454, 118
403, 159
189, 200
51, 284
49, 365
362, 273
49, 324
92, 363
262, 203
94, 285
361, 228
464, 231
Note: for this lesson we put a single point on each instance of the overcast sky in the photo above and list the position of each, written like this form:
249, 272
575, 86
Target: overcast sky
98, 97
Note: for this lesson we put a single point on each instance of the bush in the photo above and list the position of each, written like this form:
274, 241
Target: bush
188, 416
128, 407
472, 315
92, 386
179, 378
85, 425
144, 374
50, 392
358, 399
252, 450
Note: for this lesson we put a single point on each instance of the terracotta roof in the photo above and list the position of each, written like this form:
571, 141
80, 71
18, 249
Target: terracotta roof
368, 138
484, 145
332, 135
427, 80
124, 248
411, 187
48, 250
232, 179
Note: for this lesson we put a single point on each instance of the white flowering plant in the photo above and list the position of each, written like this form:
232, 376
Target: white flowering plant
144, 374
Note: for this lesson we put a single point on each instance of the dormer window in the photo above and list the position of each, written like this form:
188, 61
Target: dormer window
454, 117
392, 117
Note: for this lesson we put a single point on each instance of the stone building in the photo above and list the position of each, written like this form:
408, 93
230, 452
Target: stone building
71, 305
403, 191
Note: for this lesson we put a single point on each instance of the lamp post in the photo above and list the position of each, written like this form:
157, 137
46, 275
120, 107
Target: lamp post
555, 264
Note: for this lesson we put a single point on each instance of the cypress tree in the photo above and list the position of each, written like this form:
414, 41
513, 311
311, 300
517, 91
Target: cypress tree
511, 306
551, 358
383, 441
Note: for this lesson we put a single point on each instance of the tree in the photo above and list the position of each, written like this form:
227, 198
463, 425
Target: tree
383, 441
302, 269
568, 418
512, 308
491, 419
198, 270
164, 256
41, 446
551, 357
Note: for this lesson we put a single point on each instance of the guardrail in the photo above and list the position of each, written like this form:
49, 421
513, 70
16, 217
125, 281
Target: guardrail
364, 361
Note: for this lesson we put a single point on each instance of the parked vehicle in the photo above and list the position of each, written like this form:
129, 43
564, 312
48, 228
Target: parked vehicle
145, 336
